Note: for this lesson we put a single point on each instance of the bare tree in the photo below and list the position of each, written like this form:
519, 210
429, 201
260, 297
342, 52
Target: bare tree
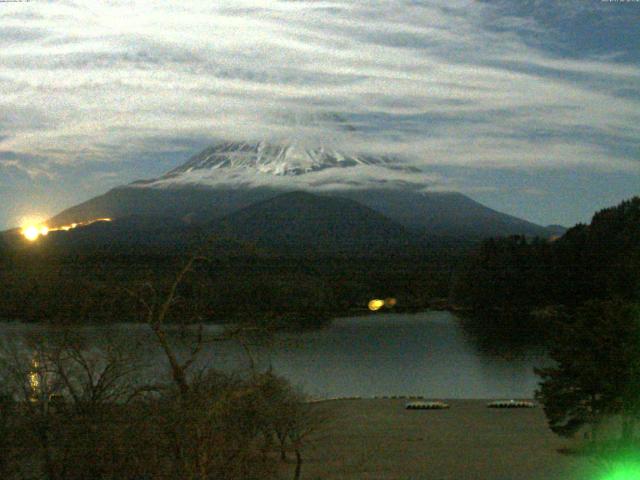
306, 422
290, 417
198, 423
29, 378
70, 397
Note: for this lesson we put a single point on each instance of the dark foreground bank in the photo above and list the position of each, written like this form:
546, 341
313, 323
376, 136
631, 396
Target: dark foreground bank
380, 439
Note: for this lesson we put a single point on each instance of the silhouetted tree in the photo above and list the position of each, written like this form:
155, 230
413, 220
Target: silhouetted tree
596, 352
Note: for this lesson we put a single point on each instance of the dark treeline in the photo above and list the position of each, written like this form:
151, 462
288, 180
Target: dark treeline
231, 283
515, 286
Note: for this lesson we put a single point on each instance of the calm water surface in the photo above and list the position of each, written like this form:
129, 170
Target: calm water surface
424, 354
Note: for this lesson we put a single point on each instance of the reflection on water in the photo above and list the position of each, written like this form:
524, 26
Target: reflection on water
392, 354
34, 377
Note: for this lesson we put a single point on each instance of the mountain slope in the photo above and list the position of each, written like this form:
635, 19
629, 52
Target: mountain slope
449, 214
231, 176
301, 220
189, 204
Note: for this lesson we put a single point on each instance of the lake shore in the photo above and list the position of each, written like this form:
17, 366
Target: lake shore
380, 439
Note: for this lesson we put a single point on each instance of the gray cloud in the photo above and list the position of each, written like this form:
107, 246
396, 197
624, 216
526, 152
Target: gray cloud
437, 83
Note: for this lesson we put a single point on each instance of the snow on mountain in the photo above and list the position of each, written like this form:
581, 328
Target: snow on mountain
271, 158
288, 166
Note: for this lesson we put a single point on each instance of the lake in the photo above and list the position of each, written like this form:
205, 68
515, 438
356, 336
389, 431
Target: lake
426, 354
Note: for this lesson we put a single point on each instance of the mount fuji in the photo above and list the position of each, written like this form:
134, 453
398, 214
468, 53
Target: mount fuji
230, 177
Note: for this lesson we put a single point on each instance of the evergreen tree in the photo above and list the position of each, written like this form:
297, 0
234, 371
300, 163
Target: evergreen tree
596, 352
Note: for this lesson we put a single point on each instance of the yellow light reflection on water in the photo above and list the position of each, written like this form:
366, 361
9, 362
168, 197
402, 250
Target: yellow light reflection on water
34, 376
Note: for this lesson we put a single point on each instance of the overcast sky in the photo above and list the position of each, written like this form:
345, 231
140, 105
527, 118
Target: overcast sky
531, 107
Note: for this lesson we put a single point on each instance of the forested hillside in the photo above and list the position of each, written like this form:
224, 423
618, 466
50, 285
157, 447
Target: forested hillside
230, 282
514, 284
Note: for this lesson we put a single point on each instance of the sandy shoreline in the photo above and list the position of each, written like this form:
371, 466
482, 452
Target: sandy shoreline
380, 439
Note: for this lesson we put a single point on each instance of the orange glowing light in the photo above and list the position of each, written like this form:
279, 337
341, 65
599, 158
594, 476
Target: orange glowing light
34, 231
376, 304
390, 302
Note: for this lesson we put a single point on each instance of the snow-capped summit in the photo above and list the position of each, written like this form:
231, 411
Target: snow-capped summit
274, 159
288, 165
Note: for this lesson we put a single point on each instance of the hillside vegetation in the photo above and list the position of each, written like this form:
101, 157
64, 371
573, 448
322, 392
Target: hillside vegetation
514, 285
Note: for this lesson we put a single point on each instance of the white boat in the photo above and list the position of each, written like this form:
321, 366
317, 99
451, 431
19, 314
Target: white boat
426, 406
511, 404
